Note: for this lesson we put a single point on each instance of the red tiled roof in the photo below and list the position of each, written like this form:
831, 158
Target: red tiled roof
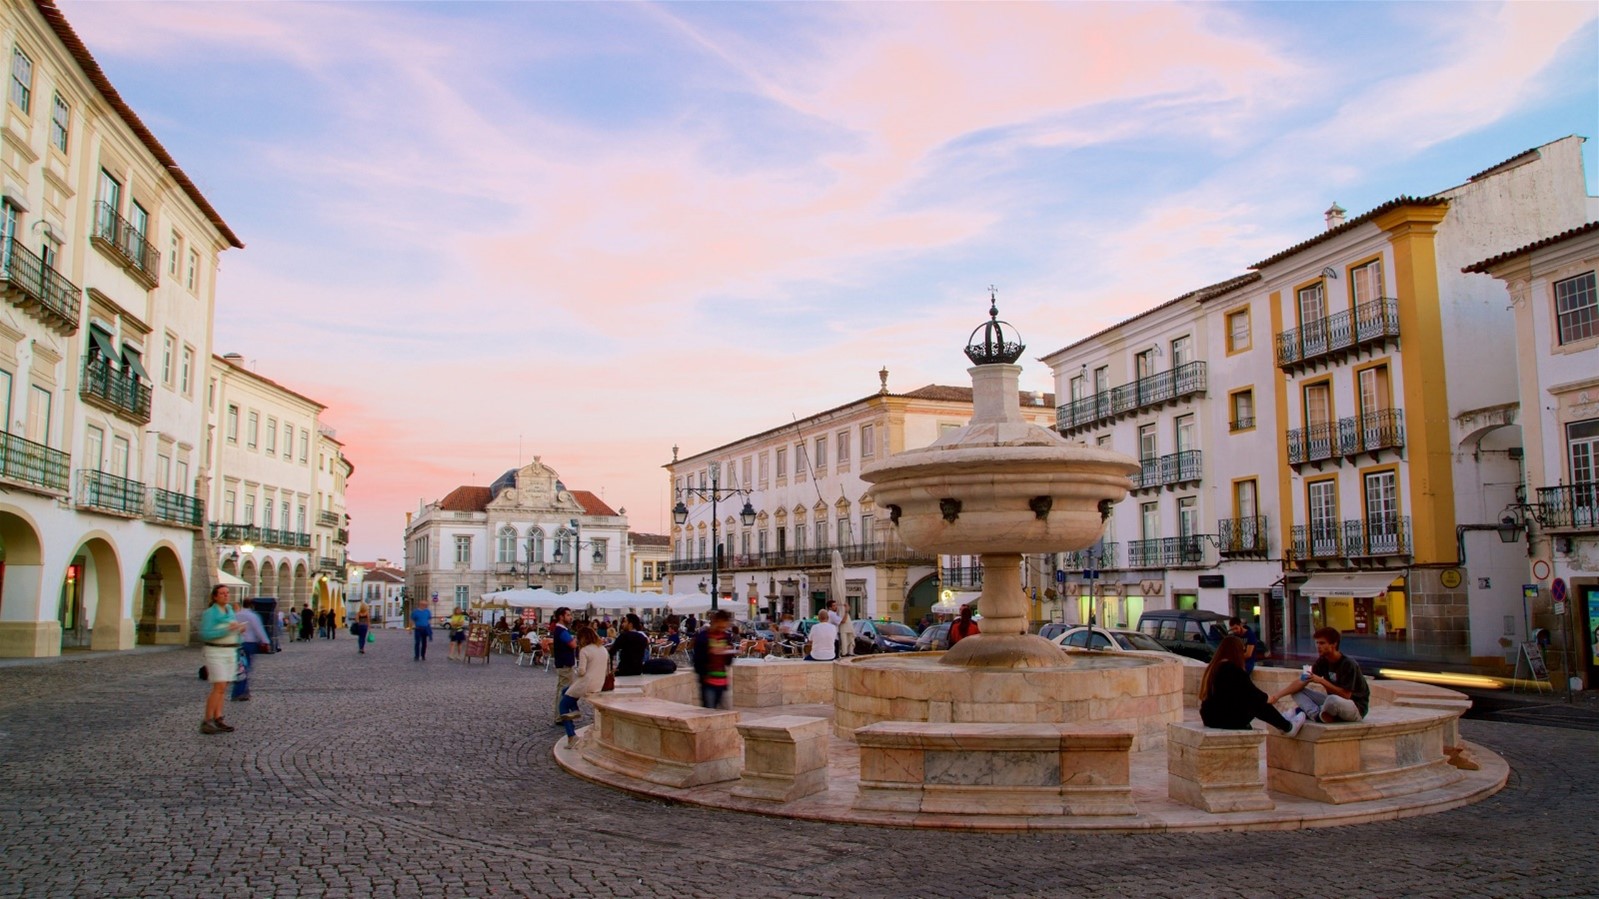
1482, 267
1355, 222
80, 52
466, 499
592, 505
1209, 292
948, 394
648, 539
387, 575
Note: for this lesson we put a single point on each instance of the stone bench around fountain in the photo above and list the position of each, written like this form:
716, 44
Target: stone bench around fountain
1117, 691
663, 742
994, 769
1216, 770
1394, 751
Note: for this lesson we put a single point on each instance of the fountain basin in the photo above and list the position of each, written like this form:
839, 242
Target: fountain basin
1138, 694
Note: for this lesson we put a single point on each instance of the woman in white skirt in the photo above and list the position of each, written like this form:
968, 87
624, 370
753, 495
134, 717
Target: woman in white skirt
220, 631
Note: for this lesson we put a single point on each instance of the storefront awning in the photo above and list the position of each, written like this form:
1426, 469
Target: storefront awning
1357, 584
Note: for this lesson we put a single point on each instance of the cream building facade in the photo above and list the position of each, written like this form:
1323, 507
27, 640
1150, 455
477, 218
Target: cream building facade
1553, 286
1324, 442
803, 481
519, 531
274, 473
647, 561
108, 260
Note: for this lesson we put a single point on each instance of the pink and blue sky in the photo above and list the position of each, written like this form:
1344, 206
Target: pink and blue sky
590, 231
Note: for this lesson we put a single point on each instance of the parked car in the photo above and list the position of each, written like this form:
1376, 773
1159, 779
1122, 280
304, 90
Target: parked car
935, 638
1116, 639
1054, 629
883, 636
1188, 632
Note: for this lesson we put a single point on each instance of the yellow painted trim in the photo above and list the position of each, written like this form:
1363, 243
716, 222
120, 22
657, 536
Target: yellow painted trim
1285, 474
1399, 479
1428, 443
1332, 400
1233, 493
1349, 277
1322, 282
1227, 324
1331, 476
1249, 389
1379, 362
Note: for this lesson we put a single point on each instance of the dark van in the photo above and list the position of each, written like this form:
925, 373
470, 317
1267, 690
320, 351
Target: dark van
1188, 632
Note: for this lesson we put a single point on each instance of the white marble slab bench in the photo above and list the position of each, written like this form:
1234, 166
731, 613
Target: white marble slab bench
1005, 769
1216, 770
664, 742
785, 757
765, 683
1395, 751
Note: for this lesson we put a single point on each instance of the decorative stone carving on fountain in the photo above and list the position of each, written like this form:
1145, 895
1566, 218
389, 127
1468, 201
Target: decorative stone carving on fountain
1000, 487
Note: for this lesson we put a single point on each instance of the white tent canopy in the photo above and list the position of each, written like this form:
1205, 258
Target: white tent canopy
549, 600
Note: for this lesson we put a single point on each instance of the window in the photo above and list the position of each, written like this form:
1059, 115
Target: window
463, 597
821, 454
266, 512
1146, 442
1244, 498
1382, 513
5, 401
172, 254
799, 462
93, 448
1079, 388
1185, 430
749, 463
843, 531
230, 507
1187, 516
305, 444
194, 267
868, 441
111, 196
600, 548
21, 79
1243, 411
782, 464
1365, 282
821, 533
1374, 390
1321, 498
249, 506
1144, 364
252, 433
1318, 404
299, 518
168, 358
1149, 521
140, 220
1582, 450
463, 549
760, 541
284, 517
39, 415
182, 481
232, 425
1312, 319
866, 529
60, 122
765, 466
1182, 351
1102, 379
1238, 335
1577, 308
505, 548
272, 437
186, 371
288, 441
843, 450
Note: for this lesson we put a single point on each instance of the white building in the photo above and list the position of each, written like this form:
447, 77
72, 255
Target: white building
382, 587
524, 530
1555, 298
648, 555
802, 480
108, 258
1333, 414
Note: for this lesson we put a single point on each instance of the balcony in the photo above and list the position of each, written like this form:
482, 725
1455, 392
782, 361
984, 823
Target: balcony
342, 537
33, 464
1353, 540
1368, 326
1242, 536
957, 577
114, 390
1167, 552
110, 493
126, 245
1571, 508
175, 508
1369, 432
1146, 393
329, 563
1102, 555
1169, 471
853, 553
327, 519
235, 533
30, 283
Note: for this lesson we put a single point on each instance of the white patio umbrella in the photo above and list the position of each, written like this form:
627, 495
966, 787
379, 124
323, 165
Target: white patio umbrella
846, 641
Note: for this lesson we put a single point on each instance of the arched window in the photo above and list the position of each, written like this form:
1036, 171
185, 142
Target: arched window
505, 547
535, 546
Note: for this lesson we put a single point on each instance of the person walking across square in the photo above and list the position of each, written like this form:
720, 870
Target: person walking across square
564, 649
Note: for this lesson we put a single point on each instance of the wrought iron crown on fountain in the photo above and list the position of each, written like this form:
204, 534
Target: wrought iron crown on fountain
992, 348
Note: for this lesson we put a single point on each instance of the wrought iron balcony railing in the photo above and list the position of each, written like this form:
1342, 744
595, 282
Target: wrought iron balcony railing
1382, 535
1169, 470
114, 390
176, 508
1185, 380
1242, 536
853, 553
1369, 432
1167, 552
26, 462
1572, 507
110, 493
127, 244
32, 284
327, 519
328, 563
958, 576
1100, 555
235, 533
1365, 325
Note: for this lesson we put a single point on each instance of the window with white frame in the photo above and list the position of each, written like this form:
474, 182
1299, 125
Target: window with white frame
1243, 417
93, 447
252, 430
39, 401
1147, 450
283, 517
463, 597
1582, 451
60, 123
305, 444
765, 468
266, 511
749, 465
868, 441
463, 549
231, 426
1238, 333
601, 549
1365, 282
821, 454
505, 547
163, 471
230, 507
249, 505
1321, 499
21, 79
1577, 308
194, 268
782, 464
535, 546
172, 253
1182, 351
272, 436
186, 371
867, 524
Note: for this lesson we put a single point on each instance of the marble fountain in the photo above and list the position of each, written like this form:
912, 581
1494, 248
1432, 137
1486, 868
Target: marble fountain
1006, 731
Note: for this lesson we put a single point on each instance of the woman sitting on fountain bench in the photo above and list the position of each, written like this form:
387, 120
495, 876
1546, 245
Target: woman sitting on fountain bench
1229, 700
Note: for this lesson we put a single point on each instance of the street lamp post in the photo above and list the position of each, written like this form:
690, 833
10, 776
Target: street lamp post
575, 531
715, 493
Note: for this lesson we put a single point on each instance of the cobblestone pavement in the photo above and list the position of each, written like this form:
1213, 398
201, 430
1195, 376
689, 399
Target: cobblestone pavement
379, 776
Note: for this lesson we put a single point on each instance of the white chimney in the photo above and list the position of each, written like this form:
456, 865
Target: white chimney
1335, 216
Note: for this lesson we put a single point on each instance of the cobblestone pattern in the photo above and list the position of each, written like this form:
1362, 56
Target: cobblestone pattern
378, 776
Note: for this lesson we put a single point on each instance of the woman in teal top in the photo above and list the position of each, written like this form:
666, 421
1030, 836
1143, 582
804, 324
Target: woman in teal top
220, 631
